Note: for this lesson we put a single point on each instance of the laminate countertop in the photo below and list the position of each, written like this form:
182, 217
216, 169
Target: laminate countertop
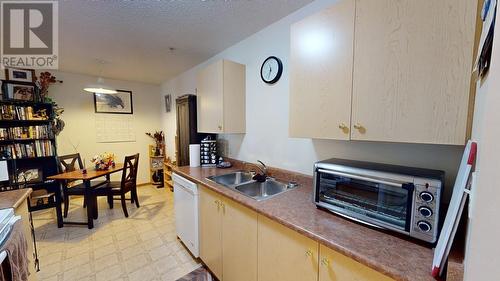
14, 198
387, 253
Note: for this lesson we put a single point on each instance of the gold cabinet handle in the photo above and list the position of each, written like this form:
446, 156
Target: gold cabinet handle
325, 262
360, 128
217, 202
220, 127
309, 253
223, 208
344, 128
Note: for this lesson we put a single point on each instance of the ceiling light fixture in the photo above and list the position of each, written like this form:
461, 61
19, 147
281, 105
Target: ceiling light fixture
100, 87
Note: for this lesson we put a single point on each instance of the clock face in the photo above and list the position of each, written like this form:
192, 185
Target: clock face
271, 70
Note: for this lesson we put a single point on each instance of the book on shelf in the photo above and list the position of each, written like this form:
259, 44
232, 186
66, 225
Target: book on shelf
38, 148
18, 112
26, 133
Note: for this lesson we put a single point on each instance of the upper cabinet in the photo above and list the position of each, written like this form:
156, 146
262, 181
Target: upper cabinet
389, 70
321, 54
412, 70
221, 98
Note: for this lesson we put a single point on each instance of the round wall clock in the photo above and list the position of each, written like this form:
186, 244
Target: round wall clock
271, 70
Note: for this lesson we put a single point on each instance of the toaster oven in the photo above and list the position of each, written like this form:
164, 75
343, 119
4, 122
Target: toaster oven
397, 198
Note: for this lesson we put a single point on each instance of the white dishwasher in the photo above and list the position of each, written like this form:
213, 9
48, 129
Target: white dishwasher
186, 212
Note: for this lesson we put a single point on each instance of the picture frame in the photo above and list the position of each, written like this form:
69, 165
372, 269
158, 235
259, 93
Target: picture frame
19, 91
30, 175
168, 103
20, 75
119, 103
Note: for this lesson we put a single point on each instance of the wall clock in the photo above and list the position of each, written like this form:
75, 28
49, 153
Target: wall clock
271, 70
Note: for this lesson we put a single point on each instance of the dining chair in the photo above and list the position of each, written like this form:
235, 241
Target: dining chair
69, 163
127, 184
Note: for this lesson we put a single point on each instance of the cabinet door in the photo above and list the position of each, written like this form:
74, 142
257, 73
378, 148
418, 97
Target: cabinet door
321, 73
337, 267
210, 221
284, 254
412, 70
234, 98
210, 98
239, 242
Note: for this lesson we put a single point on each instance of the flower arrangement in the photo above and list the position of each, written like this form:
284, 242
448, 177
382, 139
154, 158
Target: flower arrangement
103, 161
158, 137
43, 83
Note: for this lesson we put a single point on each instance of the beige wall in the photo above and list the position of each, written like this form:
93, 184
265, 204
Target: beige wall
482, 258
267, 114
80, 119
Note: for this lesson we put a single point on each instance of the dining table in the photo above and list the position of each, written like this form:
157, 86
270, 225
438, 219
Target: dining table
86, 176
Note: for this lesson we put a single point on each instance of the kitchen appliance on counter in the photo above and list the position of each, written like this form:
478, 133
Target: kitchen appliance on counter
397, 198
208, 152
186, 212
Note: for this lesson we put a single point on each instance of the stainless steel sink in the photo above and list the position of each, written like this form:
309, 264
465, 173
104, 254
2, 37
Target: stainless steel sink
262, 190
232, 179
243, 183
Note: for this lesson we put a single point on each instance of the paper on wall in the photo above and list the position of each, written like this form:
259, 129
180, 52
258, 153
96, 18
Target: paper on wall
114, 128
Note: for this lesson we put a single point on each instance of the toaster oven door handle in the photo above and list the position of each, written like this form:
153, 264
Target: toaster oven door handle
391, 183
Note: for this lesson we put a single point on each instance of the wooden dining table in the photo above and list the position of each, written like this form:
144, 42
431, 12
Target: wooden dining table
90, 198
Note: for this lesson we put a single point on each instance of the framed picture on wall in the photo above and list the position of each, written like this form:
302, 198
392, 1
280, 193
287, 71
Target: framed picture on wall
168, 103
119, 103
20, 75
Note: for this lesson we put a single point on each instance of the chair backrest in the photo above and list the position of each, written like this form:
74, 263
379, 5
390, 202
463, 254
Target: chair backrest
129, 175
68, 163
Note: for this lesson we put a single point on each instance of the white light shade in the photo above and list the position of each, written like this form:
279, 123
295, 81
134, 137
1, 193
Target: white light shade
99, 88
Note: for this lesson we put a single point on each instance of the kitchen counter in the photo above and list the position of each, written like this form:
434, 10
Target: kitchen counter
14, 198
389, 254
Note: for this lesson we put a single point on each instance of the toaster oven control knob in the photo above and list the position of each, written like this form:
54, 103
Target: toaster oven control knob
424, 226
424, 211
426, 196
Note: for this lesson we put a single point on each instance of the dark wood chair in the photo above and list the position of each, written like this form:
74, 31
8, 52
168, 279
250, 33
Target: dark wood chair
68, 163
127, 184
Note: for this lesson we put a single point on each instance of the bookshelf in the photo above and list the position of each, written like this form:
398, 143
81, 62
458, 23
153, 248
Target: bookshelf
155, 167
28, 145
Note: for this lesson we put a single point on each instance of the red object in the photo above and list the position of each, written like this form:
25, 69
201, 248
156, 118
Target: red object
84, 171
472, 153
435, 272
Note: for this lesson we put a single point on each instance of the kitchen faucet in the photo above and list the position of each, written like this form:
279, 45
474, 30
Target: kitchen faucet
262, 174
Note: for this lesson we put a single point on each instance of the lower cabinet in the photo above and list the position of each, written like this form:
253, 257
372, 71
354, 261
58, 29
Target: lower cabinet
284, 254
237, 244
210, 227
337, 267
228, 237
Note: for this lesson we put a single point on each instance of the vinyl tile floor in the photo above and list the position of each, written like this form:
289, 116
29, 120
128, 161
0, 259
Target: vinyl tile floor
142, 247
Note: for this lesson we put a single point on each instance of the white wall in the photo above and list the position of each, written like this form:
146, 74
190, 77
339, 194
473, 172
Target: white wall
267, 114
482, 260
79, 116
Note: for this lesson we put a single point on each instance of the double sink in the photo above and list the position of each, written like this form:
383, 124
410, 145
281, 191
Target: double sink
243, 182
